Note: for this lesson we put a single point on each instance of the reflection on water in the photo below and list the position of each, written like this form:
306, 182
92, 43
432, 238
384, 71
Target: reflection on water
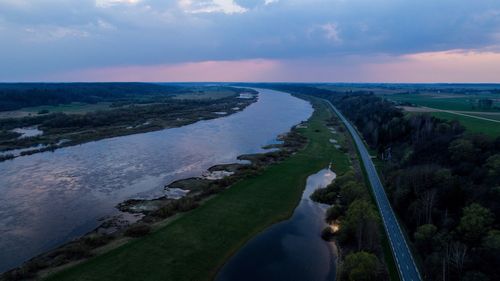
51, 197
290, 250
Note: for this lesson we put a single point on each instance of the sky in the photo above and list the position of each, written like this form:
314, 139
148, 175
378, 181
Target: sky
250, 40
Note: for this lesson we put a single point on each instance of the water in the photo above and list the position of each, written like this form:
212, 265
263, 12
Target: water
28, 132
49, 198
292, 249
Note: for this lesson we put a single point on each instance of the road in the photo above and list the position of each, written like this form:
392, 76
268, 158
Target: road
407, 268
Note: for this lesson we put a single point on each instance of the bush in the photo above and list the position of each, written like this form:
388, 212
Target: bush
360, 266
97, 240
185, 204
138, 230
333, 213
327, 233
73, 251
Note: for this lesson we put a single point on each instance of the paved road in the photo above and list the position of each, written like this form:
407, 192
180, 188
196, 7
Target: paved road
406, 265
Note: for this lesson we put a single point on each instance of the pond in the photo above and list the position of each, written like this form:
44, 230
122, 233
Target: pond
292, 249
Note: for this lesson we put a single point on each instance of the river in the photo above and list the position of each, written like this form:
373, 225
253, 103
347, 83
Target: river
289, 250
49, 198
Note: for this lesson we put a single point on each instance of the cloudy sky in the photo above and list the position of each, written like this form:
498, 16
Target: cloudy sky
250, 40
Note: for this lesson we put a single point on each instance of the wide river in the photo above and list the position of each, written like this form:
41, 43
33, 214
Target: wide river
49, 198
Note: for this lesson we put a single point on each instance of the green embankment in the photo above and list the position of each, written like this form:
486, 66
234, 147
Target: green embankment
195, 245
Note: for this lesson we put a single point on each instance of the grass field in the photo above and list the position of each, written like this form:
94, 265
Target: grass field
206, 95
446, 102
197, 244
486, 115
71, 108
471, 124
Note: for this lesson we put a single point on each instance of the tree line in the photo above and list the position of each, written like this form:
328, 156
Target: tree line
443, 182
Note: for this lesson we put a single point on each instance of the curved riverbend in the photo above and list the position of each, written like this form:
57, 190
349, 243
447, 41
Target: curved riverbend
292, 249
49, 198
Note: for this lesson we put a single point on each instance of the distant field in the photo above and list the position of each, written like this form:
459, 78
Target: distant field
486, 115
447, 101
471, 124
82, 108
72, 108
206, 95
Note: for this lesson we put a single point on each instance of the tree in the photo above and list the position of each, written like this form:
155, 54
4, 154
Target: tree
333, 213
492, 241
360, 266
475, 223
424, 236
362, 221
493, 166
462, 150
485, 103
351, 191
475, 276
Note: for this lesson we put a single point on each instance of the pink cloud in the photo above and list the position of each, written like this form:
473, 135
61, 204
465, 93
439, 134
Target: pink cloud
223, 71
446, 66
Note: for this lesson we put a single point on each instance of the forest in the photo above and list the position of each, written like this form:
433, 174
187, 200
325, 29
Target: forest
442, 182
19, 95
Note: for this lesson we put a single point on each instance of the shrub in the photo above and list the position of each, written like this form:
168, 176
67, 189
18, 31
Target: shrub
138, 230
97, 240
327, 233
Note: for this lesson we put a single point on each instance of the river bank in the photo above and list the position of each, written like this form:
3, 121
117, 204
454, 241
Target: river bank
144, 215
197, 243
50, 198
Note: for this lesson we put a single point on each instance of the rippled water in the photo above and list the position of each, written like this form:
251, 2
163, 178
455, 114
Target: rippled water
292, 249
49, 198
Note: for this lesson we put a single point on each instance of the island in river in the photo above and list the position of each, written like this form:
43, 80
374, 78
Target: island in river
43, 117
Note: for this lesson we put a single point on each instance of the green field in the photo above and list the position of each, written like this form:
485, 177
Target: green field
486, 115
446, 101
197, 244
471, 124
206, 95
71, 108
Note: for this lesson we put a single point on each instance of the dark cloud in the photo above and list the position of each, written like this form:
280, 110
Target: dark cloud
53, 36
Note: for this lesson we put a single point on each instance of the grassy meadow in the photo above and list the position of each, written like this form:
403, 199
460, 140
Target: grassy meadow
472, 124
455, 102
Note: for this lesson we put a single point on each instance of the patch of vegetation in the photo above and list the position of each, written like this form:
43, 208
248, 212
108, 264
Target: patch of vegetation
471, 124
461, 102
138, 230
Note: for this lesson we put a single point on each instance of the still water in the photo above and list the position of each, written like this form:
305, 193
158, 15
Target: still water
49, 198
292, 249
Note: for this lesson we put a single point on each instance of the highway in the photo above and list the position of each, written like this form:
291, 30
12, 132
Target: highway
407, 268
